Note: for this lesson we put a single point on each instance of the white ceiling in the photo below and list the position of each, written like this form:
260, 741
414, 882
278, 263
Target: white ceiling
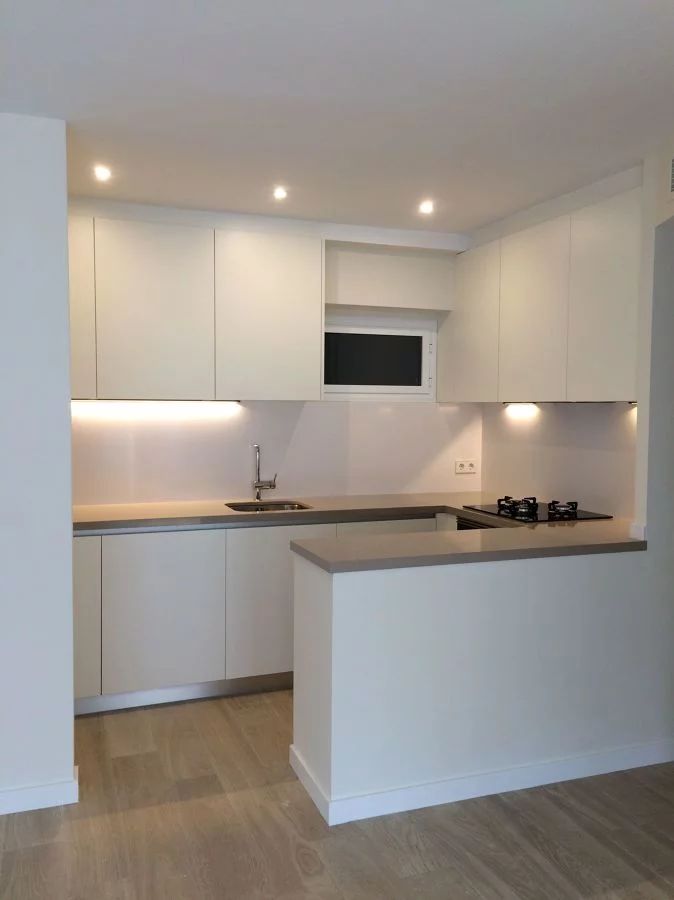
361, 107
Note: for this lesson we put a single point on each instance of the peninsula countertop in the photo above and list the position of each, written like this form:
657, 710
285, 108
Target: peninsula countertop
394, 551
184, 515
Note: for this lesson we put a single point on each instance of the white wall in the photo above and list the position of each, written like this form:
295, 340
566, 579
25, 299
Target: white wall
36, 658
317, 449
569, 451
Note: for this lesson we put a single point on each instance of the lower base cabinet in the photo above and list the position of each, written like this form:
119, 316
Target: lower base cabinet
260, 597
163, 599
87, 616
445, 522
388, 526
163, 609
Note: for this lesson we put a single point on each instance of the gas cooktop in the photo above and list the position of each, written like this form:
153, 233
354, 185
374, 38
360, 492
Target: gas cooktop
528, 509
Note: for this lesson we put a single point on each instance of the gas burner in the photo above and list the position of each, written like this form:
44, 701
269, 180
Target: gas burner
526, 508
557, 510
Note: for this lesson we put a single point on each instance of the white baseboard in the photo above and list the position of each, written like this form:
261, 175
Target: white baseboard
39, 796
365, 806
310, 783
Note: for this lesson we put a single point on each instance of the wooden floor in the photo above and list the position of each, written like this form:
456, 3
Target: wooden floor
197, 801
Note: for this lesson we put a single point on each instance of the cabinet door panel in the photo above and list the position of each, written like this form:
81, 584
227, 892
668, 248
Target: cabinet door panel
163, 609
603, 299
391, 526
87, 615
269, 316
82, 307
534, 312
259, 597
468, 337
154, 307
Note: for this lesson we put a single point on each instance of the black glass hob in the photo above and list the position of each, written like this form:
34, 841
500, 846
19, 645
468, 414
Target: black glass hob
529, 509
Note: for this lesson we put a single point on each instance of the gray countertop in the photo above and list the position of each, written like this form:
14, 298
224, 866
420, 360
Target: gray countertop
509, 540
394, 551
182, 515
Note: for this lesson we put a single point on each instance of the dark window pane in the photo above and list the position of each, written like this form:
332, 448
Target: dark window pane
378, 359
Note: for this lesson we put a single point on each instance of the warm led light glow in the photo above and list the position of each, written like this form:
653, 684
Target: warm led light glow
102, 173
521, 412
426, 207
154, 410
280, 193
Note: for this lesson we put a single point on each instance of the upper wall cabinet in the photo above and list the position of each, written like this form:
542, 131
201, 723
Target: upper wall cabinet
154, 311
534, 312
268, 316
392, 277
82, 307
468, 336
603, 299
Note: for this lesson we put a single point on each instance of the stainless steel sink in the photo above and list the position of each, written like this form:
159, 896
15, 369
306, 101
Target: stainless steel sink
267, 506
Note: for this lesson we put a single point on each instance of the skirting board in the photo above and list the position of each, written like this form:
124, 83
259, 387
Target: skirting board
365, 806
39, 796
254, 684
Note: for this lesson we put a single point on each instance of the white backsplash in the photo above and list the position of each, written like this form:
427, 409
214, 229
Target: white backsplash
569, 451
316, 448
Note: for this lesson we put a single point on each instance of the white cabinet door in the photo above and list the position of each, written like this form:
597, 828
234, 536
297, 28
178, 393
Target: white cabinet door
534, 312
87, 615
468, 337
269, 316
154, 309
259, 597
391, 526
445, 522
163, 609
603, 299
82, 307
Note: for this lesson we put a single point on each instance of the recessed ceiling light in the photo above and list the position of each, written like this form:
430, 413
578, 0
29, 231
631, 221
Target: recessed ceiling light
102, 173
427, 207
280, 193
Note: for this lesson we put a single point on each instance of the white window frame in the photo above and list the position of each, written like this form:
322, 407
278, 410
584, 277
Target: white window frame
424, 391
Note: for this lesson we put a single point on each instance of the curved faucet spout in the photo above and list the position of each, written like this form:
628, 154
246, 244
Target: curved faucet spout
260, 484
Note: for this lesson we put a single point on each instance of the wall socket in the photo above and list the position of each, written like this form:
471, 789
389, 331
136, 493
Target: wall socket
466, 467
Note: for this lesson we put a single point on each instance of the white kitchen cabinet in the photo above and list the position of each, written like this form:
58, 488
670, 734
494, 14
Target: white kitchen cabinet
468, 337
393, 277
445, 522
87, 615
534, 312
154, 311
389, 526
82, 307
259, 597
163, 609
603, 299
269, 316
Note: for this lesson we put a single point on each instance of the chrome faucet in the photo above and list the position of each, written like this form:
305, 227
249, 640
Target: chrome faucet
260, 485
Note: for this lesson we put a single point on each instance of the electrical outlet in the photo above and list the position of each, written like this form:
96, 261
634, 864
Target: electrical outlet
466, 467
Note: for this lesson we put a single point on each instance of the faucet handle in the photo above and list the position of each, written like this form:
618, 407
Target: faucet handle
273, 481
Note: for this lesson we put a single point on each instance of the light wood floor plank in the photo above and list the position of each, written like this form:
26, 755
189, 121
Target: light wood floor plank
196, 801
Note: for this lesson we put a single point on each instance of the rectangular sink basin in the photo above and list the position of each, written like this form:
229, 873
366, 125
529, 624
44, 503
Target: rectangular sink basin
267, 506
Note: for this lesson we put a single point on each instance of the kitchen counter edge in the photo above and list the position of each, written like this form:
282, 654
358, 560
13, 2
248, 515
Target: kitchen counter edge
372, 552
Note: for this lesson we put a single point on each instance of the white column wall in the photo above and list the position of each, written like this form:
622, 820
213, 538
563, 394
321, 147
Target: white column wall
36, 656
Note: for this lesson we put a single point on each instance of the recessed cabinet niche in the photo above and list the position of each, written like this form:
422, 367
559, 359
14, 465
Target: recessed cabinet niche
371, 275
